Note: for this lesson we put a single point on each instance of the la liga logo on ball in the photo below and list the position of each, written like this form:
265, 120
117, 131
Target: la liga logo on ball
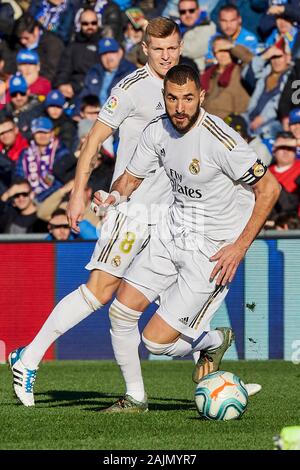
221, 396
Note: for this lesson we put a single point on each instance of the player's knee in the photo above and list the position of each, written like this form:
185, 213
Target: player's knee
158, 349
122, 317
89, 297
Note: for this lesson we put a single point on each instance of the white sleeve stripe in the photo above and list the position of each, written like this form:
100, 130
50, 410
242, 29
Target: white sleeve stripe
248, 178
133, 174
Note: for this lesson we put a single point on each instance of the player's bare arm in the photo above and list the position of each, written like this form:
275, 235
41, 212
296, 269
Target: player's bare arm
86, 163
266, 192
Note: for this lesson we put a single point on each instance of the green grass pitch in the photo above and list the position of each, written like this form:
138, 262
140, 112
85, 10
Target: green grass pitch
70, 393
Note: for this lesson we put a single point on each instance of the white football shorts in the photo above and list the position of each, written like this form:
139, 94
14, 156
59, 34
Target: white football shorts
180, 278
121, 239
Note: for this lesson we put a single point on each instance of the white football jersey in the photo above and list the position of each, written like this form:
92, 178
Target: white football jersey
133, 103
207, 167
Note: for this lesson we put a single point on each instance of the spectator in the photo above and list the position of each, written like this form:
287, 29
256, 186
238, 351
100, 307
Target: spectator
22, 106
18, 213
64, 128
286, 170
90, 107
79, 56
37, 163
286, 30
289, 221
271, 71
133, 39
49, 47
56, 16
225, 93
11, 140
239, 124
250, 10
4, 78
28, 64
288, 9
294, 125
109, 15
196, 30
89, 110
58, 227
7, 168
108, 72
230, 24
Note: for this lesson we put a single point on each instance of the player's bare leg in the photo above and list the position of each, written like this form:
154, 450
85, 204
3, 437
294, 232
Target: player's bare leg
71, 310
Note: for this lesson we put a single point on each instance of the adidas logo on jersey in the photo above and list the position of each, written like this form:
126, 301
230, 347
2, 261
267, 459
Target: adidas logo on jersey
159, 107
184, 320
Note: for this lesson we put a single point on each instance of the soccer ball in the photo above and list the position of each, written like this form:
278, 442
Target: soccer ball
221, 396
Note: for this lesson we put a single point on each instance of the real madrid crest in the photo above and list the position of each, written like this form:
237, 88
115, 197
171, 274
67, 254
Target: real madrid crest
116, 261
258, 169
194, 167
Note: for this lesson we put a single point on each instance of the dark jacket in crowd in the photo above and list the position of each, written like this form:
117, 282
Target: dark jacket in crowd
101, 177
76, 61
11, 221
6, 19
113, 18
49, 49
23, 119
95, 76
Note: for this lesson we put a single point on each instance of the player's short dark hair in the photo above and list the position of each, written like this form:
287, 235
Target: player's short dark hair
4, 117
160, 27
181, 73
26, 23
89, 100
229, 8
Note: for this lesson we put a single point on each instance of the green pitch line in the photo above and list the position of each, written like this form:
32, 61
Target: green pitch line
70, 393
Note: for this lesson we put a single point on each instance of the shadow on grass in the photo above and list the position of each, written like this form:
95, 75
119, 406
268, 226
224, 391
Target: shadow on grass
102, 400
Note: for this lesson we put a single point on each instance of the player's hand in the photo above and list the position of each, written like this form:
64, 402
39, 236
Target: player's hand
75, 211
228, 260
102, 201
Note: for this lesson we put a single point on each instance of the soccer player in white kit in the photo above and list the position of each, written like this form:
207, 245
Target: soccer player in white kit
133, 103
195, 250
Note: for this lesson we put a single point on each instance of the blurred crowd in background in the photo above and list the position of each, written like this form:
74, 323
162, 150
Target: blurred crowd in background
59, 60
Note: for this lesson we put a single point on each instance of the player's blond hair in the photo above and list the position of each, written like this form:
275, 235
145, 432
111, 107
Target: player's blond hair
160, 27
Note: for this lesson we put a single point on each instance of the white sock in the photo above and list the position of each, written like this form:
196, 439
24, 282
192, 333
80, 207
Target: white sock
68, 312
213, 339
125, 338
